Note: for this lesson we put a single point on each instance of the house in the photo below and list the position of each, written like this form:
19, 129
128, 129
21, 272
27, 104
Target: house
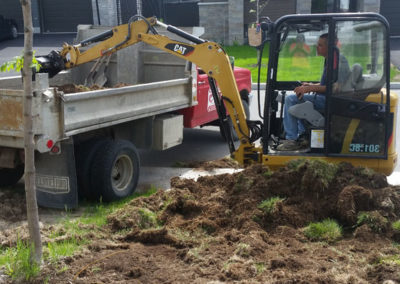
225, 21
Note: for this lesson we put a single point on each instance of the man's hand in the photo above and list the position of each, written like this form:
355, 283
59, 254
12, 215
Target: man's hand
301, 90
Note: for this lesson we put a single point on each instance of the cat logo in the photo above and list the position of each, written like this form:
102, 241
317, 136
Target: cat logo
181, 49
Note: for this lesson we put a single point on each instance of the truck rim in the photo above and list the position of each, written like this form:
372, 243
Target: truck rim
122, 172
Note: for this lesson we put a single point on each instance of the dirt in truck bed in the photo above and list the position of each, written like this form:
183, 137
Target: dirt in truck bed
72, 88
218, 230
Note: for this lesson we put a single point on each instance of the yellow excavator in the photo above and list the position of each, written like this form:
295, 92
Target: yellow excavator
358, 122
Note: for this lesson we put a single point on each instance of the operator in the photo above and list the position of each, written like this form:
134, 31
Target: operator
294, 128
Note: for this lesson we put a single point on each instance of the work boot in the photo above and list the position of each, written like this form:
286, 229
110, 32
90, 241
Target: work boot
289, 145
303, 141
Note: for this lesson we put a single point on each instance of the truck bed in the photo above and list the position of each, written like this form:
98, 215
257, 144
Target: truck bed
63, 115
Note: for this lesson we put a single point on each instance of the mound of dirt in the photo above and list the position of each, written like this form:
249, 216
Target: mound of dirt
213, 230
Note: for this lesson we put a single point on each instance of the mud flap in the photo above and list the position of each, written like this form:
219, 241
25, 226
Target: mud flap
56, 183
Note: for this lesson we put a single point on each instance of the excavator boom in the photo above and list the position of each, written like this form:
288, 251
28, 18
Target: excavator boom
209, 56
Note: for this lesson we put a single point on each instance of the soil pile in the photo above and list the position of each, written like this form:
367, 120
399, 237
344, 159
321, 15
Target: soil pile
214, 230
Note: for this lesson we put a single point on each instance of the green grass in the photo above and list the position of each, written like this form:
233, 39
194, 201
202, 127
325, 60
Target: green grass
373, 220
396, 225
68, 237
247, 57
61, 249
268, 206
328, 230
16, 262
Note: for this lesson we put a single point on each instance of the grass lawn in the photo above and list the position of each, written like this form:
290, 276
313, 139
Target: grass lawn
246, 57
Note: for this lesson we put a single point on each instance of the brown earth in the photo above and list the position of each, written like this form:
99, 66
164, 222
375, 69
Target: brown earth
212, 231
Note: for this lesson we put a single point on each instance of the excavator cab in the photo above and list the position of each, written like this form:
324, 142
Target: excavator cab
357, 122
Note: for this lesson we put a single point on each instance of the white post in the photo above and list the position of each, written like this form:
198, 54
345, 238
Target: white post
139, 7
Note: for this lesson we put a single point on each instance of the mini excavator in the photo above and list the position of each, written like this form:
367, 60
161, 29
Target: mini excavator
358, 124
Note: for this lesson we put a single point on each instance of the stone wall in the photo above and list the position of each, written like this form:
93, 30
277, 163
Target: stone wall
213, 17
222, 21
108, 13
303, 7
235, 22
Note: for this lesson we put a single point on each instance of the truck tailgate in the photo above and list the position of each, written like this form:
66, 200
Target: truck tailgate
97, 109
11, 117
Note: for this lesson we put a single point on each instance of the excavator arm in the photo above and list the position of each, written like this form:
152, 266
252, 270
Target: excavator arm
209, 56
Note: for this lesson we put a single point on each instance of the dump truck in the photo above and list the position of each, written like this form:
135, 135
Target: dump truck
356, 125
148, 99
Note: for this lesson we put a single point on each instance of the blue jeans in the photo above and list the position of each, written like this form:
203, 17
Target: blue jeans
293, 126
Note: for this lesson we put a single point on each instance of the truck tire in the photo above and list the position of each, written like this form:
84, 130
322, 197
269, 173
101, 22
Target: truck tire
84, 161
10, 177
235, 136
115, 170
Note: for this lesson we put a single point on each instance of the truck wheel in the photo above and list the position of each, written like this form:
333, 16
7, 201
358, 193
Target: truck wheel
234, 134
84, 160
10, 177
115, 170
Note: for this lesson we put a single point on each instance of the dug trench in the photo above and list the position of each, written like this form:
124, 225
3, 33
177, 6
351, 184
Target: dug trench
214, 230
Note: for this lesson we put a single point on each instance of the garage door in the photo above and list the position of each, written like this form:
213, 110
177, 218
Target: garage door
11, 9
64, 16
391, 10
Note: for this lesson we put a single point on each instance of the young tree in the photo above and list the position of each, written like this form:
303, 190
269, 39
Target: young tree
30, 186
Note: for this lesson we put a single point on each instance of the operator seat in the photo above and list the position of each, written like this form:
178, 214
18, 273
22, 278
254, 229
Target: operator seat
354, 80
307, 112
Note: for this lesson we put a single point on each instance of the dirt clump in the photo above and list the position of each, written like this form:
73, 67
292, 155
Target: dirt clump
214, 230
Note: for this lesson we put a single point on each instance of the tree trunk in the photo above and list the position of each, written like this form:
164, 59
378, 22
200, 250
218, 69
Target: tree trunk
30, 186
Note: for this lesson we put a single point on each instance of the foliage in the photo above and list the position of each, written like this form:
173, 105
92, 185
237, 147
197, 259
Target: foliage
269, 205
375, 221
17, 63
328, 230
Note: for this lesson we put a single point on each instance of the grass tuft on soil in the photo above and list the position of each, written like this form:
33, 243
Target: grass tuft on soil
328, 230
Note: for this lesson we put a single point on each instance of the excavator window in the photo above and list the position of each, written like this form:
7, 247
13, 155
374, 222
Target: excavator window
357, 116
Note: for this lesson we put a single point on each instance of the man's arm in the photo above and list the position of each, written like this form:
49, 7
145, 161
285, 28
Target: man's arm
309, 88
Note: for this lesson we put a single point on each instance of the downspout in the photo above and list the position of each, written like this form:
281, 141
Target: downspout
98, 12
